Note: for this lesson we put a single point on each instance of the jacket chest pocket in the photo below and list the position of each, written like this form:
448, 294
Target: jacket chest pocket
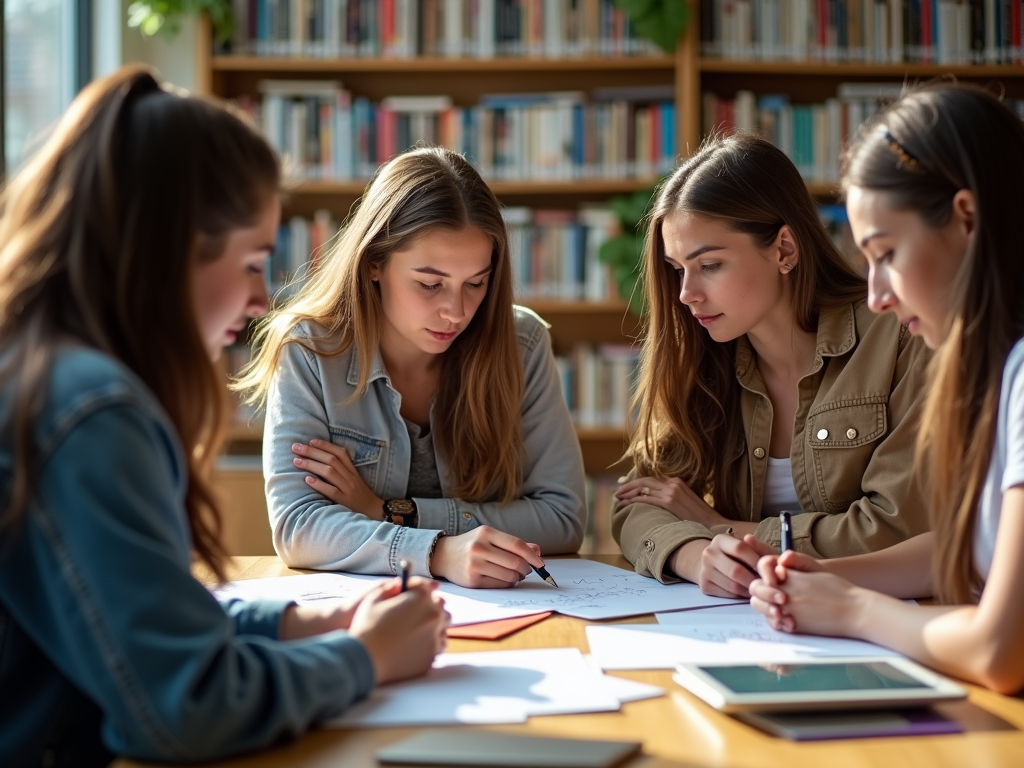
365, 452
841, 439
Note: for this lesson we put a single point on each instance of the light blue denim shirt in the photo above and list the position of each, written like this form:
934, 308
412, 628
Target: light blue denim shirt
309, 398
108, 645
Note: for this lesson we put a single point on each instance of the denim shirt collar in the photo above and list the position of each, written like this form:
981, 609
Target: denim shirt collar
837, 334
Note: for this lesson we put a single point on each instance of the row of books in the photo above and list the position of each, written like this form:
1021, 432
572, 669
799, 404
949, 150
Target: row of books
326, 133
598, 382
554, 253
444, 28
811, 135
300, 242
876, 31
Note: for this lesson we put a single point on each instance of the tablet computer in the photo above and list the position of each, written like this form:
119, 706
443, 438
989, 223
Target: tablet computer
816, 684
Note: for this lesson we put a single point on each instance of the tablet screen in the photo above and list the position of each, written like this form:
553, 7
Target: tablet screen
799, 678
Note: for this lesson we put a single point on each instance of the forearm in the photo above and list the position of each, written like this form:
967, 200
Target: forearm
903, 570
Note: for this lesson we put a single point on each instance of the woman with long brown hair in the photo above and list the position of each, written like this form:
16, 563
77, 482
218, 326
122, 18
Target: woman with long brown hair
132, 249
766, 383
934, 190
413, 412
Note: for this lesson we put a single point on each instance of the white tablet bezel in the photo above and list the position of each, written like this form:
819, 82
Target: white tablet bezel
702, 685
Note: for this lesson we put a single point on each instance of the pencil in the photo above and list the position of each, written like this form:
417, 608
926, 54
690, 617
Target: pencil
543, 573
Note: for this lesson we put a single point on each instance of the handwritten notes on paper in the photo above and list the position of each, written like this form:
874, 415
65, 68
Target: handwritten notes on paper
315, 587
592, 590
728, 634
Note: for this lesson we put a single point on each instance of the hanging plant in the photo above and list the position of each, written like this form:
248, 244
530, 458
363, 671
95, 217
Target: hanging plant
624, 251
660, 21
153, 16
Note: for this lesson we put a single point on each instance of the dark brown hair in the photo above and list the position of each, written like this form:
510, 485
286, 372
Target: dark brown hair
927, 146
98, 236
480, 395
689, 423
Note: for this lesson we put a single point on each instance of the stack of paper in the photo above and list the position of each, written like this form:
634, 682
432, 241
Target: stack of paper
495, 687
738, 634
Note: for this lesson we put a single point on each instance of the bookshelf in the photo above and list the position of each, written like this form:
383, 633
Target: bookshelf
690, 73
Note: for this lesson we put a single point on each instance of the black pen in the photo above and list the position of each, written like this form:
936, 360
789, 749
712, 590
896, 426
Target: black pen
786, 543
404, 566
543, 573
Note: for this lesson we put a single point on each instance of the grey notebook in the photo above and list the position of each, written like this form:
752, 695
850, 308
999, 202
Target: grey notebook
488, 748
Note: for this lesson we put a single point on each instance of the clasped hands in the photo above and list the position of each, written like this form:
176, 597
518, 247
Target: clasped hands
724, 566
483, 557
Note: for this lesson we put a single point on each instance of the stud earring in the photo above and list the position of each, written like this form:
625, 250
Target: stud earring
786, 268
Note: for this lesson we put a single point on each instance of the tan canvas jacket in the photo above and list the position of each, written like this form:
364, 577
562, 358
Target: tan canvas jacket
852, 455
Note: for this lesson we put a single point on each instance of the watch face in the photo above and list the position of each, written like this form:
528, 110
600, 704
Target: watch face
400, 507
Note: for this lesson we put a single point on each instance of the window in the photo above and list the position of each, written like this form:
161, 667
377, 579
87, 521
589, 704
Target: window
46, 57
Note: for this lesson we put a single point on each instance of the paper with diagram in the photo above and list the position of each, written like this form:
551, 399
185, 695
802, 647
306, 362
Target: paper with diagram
489, 687
727, 634
591, 590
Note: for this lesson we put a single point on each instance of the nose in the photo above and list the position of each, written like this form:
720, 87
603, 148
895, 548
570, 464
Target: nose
688, 290
880, 296
259, 300
454, 309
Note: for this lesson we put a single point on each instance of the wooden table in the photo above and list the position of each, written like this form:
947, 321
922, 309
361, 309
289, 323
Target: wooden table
676, 729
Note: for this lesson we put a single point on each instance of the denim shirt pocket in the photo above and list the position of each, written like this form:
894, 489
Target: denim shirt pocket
364, 450
841, 438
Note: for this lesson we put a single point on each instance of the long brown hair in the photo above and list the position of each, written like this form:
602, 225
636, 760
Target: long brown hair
930, 144
98, 236
480, 394
687, 398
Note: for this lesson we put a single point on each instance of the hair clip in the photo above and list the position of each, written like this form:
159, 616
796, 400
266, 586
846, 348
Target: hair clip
904, 158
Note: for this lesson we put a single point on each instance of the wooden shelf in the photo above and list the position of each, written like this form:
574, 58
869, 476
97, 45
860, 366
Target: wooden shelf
837, 69
428, 65
500, 188
580, 307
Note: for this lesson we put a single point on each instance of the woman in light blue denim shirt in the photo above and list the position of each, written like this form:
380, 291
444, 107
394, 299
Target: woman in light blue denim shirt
412, 411
132, 248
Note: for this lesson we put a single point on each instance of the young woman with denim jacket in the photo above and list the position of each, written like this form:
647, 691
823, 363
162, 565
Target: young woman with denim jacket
413, 412
934, 188
766, 383
132, 248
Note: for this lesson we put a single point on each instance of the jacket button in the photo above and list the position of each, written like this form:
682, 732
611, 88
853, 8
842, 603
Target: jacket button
851, 433
649, 545
759, 453
466, 516
823, 434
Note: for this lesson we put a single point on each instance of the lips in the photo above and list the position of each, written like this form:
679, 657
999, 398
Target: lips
706, 320
442, 336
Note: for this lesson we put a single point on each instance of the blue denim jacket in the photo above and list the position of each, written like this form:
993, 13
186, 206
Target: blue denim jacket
310, 398
108, 645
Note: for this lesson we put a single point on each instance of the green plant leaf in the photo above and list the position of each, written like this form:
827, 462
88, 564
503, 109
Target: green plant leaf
660, 21
163, 16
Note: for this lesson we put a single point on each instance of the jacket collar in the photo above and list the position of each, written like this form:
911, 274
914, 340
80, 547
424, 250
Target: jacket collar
837, 334
377, 370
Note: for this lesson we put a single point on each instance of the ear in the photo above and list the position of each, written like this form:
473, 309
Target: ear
964, 211
375, 273
786, 250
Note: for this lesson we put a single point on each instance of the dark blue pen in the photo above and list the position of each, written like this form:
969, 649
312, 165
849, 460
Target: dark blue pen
787, 531
543, 573
404, 566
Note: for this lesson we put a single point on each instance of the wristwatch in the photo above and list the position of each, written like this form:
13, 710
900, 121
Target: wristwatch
401, 512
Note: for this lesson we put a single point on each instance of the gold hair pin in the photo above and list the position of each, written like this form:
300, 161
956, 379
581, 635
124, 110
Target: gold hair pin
904, 158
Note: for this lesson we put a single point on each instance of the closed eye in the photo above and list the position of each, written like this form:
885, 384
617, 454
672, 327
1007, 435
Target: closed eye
429, 286
481, 284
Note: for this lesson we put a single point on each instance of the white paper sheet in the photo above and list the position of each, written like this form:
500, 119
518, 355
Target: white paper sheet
714, 635
490, 687
591, 590
621, 688
315, 587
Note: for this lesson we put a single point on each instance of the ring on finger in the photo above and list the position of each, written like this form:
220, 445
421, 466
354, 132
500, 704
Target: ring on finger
645, 491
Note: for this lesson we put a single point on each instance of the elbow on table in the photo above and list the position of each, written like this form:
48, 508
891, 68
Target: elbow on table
1000, 669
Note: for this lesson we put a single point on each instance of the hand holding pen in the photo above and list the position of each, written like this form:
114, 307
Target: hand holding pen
485, 558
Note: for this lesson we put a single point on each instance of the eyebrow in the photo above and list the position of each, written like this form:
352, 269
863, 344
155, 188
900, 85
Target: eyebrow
868, 238
699, 252
439, 273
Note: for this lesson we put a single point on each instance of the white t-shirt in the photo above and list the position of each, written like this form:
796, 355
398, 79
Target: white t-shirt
779, 491
1006, 469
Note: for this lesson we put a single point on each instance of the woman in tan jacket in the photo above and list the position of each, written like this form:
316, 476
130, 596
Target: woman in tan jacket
766, 383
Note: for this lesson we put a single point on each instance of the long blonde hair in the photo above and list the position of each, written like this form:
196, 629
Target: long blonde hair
687, 396
919, 153
479, 398
98, 236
